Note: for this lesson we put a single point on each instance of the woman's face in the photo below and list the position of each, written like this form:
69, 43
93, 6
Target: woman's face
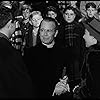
36, 20
91, 12
26, 13
52, 14
69, 15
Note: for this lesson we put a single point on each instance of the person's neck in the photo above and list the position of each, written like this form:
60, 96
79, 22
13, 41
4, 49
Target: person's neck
35, 27
90, 19
35, 30
4, 31
49, 45
26, 21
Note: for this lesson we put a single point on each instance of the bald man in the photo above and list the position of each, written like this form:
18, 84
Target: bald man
45, 59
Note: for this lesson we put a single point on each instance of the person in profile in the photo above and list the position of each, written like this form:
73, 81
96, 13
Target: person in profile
14, 79
92, 41
47, 58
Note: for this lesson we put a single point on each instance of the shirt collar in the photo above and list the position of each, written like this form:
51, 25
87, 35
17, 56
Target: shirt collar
50, 45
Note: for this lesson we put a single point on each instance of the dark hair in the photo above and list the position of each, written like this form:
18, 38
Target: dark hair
51, 8
49, 19
5, 16
90, 4
70, 8
98, 10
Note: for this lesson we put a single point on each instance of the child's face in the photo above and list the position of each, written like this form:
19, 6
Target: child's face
52, 14
26, 13
69, 16
91, 12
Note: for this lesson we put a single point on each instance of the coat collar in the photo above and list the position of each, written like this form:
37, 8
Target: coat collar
4, 36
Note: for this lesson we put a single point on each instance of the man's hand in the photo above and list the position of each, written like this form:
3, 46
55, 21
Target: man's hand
62, 86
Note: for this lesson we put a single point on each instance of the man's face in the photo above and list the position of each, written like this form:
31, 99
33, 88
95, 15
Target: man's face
26, 13
69, 16
91, 12
36, 20
89, 40
52, 14
12, 28
47, 31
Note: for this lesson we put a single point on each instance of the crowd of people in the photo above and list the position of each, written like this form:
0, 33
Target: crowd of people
40, 44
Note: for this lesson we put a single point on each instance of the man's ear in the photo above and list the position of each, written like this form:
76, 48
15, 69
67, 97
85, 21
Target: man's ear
56, 33
9, 25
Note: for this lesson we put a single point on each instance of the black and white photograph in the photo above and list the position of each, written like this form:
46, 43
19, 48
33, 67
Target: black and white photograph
50, 49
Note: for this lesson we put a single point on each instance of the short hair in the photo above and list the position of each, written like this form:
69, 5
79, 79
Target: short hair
5, 16
35, 13
70, 8
90, 4
25, 6
49, 19
51, 8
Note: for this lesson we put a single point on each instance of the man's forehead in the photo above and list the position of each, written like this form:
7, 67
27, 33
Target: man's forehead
47, 24
36, 16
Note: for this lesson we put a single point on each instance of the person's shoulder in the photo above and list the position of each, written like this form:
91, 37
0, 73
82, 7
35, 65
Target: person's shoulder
4, 42
79, 25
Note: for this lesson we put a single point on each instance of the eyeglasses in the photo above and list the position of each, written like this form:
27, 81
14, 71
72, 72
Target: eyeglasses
49, 30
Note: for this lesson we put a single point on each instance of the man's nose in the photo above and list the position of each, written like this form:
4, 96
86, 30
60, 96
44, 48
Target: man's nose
46, 33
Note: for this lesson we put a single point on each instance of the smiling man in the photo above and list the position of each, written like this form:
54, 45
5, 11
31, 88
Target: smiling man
48, 31
46, 57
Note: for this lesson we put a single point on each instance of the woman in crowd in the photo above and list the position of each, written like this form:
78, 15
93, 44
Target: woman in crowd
71, 35
73, 43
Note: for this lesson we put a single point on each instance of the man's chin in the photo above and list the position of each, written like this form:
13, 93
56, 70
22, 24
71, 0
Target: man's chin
46, 42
